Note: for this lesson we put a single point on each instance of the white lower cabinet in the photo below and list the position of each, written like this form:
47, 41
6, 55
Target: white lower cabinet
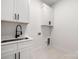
8, 56
25, 54
8, 51
19, 50
24, 50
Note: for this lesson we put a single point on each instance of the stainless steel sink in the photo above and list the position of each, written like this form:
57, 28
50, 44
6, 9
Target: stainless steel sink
14, 39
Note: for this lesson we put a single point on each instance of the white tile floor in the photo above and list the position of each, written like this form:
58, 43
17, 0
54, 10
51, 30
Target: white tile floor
52, 54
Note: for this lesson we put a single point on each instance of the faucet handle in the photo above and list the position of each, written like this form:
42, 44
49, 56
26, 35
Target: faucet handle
21, 32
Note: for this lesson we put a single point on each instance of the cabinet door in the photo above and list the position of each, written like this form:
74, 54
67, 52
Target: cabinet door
25, 53
8, 51
6, 9
8, 56
24, 49
22, 8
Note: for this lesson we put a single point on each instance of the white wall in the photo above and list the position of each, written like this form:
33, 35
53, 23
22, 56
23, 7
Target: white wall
39, 15
35, 21
65, 31
47, 14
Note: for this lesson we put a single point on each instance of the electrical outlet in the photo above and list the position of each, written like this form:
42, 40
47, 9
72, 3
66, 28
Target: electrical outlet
39, 33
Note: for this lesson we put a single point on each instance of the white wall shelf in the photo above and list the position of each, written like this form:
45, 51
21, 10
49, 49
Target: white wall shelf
47, 25
15, 21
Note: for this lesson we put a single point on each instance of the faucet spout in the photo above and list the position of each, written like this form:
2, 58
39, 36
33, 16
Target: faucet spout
18, 31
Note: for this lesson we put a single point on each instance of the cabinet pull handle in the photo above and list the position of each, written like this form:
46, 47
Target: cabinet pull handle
15, 55
15, 15
18, 16
19, 55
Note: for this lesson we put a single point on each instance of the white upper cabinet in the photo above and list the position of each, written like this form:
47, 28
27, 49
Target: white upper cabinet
22, 10
15, 10
6, 9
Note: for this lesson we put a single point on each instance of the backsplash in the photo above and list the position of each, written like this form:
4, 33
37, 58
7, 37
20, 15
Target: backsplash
8, 30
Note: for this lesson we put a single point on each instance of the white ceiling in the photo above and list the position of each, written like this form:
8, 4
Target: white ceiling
50, 2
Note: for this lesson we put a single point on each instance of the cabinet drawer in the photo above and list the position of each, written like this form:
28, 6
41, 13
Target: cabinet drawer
24, 44
8, 48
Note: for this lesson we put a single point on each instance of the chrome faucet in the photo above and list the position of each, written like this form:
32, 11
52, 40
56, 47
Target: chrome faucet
18, 31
